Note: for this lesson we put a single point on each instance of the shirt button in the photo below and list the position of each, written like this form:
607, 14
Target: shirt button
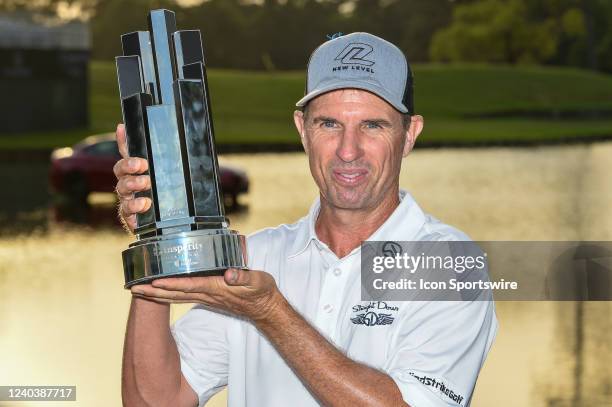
337, 271
328, 308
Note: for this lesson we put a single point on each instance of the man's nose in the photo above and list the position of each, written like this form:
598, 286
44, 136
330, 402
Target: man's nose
349, 147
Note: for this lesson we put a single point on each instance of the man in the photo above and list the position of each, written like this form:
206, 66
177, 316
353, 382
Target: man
284, 332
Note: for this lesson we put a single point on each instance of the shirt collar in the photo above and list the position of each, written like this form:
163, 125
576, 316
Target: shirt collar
404, 224
306, 230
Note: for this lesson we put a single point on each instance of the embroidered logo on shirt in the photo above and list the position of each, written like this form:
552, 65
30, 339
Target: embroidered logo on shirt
372, 318
374, 313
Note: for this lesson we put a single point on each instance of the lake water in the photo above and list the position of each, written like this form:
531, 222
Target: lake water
63, 309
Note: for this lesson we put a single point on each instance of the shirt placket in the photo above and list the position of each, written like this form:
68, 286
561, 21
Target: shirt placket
332, 294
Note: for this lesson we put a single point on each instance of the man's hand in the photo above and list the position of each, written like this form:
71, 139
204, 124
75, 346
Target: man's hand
128, 170
249, 293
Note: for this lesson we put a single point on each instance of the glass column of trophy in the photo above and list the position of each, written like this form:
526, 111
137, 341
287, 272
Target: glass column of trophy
167, 117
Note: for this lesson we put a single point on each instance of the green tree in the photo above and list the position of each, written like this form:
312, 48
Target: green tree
410, 24
494, 31
113, 18
416, 23
602, 31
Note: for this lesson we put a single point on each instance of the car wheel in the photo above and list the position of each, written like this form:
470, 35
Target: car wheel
76, 187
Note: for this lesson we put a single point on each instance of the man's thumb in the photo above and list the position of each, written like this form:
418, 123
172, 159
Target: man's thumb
237, 277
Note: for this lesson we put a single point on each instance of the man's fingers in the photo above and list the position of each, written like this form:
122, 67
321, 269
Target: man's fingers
184, 284
152, 292
208, 285
162, 300
129, 184
128, 222
130, 166
238, 277
130, 207
121, 140
149, 291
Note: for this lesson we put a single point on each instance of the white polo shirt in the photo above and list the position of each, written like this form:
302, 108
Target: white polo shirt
432, 350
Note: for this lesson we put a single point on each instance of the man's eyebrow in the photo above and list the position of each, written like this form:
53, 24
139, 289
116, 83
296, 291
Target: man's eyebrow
319, 119
380, 122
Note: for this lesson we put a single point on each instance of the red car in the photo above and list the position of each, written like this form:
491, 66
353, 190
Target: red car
88, 167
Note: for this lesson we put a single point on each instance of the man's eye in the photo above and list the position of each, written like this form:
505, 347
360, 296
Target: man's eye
373, 125
329, 124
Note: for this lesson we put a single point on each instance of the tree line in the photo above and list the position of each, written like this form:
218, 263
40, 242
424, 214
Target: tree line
274, 34
281, 34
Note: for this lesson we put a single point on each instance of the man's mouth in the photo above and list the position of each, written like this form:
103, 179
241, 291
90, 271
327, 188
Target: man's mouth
350, 177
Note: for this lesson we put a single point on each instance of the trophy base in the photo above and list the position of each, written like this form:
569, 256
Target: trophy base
200, 252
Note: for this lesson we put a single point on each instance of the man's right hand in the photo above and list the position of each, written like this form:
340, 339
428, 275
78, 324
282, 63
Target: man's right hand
128, 170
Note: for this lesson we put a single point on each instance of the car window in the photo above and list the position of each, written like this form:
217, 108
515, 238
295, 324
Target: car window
103, 148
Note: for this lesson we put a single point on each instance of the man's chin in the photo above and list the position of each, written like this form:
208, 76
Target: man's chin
350, 200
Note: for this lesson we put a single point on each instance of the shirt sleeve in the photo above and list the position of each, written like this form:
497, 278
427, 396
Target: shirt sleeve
439, 349
201, 339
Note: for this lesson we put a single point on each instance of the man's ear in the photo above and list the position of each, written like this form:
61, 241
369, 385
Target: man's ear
300, 125
412, 132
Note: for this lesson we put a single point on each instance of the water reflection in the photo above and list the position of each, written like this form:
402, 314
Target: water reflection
583, 331
63, 309
99, 212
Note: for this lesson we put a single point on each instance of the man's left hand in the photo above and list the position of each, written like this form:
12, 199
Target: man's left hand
249, 293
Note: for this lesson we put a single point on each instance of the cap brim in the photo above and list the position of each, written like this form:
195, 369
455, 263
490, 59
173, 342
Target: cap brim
370, 87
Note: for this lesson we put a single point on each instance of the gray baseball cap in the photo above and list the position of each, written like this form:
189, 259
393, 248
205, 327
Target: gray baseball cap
360, 61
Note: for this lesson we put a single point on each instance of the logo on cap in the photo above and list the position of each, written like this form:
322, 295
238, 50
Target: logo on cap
355, 53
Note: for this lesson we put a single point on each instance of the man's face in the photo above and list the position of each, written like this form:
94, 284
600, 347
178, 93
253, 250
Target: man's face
355, 142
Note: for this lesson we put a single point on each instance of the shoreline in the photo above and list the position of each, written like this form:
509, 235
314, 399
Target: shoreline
18, 154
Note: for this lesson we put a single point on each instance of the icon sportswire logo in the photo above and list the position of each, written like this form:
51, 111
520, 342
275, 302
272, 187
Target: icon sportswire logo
355, 53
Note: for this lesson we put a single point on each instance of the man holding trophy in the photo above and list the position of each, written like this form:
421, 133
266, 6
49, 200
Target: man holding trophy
273, 320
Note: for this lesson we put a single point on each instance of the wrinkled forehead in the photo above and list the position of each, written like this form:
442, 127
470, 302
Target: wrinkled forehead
351, 101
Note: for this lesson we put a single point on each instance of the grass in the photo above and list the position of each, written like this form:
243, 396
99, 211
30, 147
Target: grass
256, 107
